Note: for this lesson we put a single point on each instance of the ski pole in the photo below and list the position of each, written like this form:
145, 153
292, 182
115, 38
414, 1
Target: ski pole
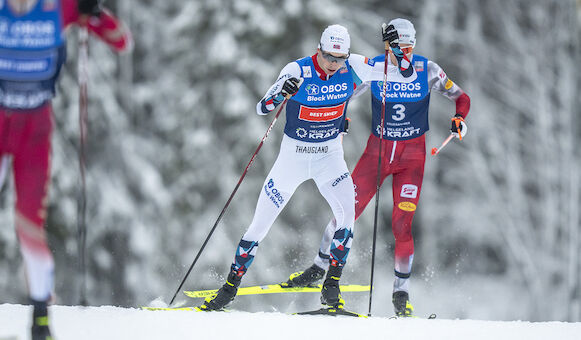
231, 196
378, 182
82, 199
436, 151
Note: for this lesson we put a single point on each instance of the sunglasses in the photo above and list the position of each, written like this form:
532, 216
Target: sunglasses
331, 58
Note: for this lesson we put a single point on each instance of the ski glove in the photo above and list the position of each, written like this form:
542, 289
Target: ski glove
290, 87
90, 7
390, 35
459, 128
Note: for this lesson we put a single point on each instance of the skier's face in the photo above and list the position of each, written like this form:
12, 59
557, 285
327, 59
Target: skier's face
407, 49
330, 62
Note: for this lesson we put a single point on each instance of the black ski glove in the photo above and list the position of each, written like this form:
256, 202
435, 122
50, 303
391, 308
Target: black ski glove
290, 87
90, 7
389, 34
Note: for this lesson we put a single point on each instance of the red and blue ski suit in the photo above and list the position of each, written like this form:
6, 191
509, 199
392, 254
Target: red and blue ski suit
32, 52
403, 153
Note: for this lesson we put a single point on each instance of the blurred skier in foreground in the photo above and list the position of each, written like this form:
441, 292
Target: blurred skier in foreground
403, 156
32, 52
311, 149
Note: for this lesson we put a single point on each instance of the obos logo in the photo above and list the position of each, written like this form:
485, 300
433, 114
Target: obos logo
334, 88
400, 86
312, 89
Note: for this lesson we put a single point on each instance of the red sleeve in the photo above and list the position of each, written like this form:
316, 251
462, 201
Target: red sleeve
107, 27
463, 105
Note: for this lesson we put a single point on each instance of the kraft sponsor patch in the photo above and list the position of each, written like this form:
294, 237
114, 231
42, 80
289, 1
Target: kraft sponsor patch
407, 206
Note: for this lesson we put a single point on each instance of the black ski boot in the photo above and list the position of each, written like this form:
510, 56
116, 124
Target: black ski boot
225, 294
401, 304
331, 293
40, 329
308, 278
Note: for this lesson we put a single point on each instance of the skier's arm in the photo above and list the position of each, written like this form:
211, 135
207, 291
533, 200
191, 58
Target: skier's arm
101, 22
368, 70
274, 95
438, 81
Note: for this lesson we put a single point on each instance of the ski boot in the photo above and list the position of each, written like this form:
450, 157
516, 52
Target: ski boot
308, 278
225, 294
331, 293
40, 329
401, 304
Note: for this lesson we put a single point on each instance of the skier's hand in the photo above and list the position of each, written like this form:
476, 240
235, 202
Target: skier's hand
389, 34
290, 87
90, 7
459, 128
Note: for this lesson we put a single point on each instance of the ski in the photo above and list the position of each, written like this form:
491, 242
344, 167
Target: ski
332, 312
275, 289
323, 311
191, 309
430, 317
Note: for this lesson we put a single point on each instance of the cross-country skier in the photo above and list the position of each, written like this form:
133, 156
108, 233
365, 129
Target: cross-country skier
32, 52
311, 149
403, 155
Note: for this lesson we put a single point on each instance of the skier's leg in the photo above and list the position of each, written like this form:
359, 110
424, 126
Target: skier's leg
364, 182
30, 136
336, 186
31, 162
284, 177
407, 185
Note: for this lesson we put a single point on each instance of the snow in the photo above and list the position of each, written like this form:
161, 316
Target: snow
108, 322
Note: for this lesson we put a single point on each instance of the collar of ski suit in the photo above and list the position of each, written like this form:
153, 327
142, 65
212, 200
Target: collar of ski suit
320, 72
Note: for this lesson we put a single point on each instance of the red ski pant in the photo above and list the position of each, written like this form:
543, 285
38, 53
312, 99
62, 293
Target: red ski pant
26, 136
404, 160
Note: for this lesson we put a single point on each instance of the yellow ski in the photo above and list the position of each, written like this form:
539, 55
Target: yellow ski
275, 289
192, 309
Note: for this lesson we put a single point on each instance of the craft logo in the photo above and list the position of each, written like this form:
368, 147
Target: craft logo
312, 89
339, 179
321, 114
407, 206
409, 191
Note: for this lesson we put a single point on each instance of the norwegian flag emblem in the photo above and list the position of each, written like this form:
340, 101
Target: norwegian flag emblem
337, 47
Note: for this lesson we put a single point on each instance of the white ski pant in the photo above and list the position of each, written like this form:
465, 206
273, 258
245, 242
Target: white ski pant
297, 162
